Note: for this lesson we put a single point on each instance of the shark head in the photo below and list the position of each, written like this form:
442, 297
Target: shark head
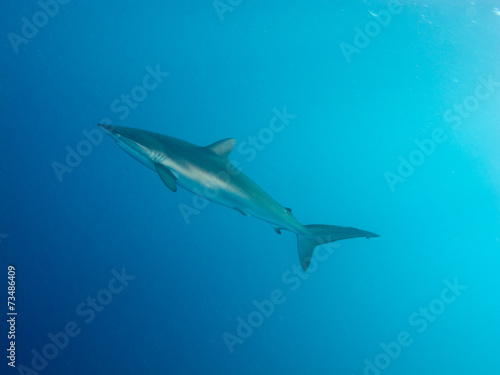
140, 144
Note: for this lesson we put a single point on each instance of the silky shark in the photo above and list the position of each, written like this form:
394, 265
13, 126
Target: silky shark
208, 173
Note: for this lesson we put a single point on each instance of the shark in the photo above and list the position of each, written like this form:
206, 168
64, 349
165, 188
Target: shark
207, 172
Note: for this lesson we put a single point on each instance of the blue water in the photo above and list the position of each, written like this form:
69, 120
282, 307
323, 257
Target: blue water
392, 127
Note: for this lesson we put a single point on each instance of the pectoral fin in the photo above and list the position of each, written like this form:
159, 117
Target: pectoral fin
167, 177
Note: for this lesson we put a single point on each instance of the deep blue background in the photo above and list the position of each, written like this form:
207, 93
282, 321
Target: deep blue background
193, 281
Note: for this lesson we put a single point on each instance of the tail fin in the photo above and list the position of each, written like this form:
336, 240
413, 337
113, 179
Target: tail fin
321, 234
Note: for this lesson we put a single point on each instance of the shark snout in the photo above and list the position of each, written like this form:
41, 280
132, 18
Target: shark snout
111, 130
107, 128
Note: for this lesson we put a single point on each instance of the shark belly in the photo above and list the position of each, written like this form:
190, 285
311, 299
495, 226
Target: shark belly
214, 187
217, 194
234, 191
245, 196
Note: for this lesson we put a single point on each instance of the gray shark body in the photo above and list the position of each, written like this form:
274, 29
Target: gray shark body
208, 173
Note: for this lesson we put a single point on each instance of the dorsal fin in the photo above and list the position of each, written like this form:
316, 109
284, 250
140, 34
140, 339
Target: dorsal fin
222, 148
288, 209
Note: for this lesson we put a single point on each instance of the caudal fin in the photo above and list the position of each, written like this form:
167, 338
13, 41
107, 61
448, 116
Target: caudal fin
321, 234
